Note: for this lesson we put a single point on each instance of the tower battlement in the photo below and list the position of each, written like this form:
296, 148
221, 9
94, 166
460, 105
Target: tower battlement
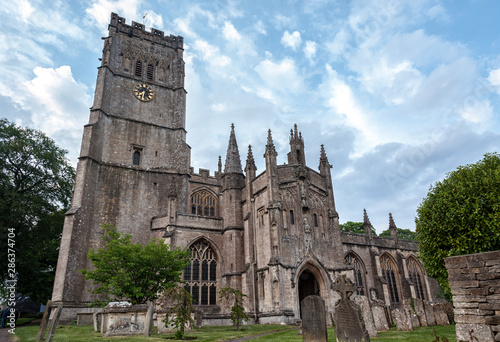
139, 30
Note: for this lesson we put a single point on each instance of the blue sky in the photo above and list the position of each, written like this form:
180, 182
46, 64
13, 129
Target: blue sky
399, 92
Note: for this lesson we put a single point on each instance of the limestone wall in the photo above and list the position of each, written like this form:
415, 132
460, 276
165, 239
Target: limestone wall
475, 285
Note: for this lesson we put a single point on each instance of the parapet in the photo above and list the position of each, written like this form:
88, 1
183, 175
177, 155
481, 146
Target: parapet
139, 30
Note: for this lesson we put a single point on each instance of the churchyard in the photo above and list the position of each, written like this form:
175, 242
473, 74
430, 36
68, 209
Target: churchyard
226, 333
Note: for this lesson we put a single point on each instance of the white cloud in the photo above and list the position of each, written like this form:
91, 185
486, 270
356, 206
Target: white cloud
230, 32
99, 11
280, 77
25, 9
494, 78
56, 100
291, 40
310, 49
476, 111
260, 27
393, 82
219, 107
211, 54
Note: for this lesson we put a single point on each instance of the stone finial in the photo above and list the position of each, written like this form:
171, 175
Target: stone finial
366, 220
392, 227
233, 161
367, 224
391, 221
270, 144
250, 161
220, 165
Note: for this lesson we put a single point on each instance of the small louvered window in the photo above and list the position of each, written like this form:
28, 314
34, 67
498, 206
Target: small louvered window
138, 68
150, 72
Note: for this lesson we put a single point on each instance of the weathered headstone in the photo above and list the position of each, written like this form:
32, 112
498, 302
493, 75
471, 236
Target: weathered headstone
148, 323
401, 315
440, 314
96, 321
420, 310
198, 318
53, 323
313, 315
380, 317
44, 323
429, 313
366, 311
349, 325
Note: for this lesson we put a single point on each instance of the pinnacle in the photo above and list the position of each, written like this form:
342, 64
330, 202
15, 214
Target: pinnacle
270, 143
233, 161
391, 221
366, 220
250, 160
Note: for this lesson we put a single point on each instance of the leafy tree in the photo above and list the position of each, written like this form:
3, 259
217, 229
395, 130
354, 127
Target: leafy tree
238, 314
36, 182
355, 227
404, 234
460, 215
178, 304
124, 270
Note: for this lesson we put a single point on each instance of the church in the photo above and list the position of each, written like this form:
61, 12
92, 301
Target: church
274, 235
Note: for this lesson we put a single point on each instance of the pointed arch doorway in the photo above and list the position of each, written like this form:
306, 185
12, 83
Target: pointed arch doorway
308, 285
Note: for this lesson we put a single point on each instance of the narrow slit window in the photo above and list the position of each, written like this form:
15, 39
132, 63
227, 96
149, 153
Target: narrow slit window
292, 219
137, 157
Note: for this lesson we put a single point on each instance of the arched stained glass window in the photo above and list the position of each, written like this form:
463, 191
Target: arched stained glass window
359, 273
416, 276
201, 274
203, 203
390, 275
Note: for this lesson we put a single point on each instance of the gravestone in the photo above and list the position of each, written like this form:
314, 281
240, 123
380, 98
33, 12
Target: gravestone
429, 313
440, 314
366, 311
402, 317
380, 317
313, 315
349, 325
420, 309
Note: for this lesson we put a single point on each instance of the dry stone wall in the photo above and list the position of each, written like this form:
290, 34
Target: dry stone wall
475, 285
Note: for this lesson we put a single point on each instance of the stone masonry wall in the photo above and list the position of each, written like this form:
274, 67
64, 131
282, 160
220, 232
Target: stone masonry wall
475, 285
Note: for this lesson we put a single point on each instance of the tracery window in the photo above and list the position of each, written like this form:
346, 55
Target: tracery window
203, 203
138, 68
416, 276
389, 273
359, 273
201, 274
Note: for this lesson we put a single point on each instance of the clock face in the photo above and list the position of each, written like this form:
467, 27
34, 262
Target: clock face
143, 92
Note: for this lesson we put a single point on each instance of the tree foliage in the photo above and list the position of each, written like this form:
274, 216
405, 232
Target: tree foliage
178, 306
237, 297
355, 227
404, 234
124, 270
460, 215
36, 182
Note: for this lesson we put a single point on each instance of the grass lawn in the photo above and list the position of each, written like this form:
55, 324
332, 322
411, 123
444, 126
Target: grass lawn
224, 333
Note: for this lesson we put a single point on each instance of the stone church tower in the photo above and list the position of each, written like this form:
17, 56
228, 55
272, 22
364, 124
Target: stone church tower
273, 235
